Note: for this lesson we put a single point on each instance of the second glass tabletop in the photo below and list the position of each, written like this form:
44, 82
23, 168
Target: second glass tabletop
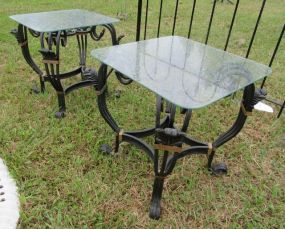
60, 20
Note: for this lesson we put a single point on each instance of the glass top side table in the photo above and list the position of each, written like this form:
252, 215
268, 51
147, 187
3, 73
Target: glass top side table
186, 74
53, 29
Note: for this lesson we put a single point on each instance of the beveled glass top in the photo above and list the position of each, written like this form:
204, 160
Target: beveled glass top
62, 20
184, 72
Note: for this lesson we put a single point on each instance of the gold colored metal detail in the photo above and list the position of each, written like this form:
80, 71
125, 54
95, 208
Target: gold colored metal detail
244, 111
211, 149
120, 135
23, 43
175, 149
51, 61
82, 32
102, 90
60, 92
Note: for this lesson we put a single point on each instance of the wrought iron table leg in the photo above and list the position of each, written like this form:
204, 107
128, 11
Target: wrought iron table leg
281, 110
21, 35
247, 106
51, 61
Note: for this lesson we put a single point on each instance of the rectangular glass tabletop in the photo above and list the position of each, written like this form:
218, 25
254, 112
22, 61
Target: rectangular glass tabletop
62, 20
184, 72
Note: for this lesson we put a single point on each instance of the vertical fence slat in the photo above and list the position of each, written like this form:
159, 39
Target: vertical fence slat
255, 29
146, 19
211, 20
232, 24
139, 17
274, 53
175, 17
159, 21
191, 19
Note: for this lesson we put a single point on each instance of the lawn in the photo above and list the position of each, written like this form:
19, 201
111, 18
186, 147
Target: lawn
65, 182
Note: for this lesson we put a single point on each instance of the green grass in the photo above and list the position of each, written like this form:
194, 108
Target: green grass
64, 181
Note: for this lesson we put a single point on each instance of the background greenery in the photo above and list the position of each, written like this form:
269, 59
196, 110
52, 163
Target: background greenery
65, 182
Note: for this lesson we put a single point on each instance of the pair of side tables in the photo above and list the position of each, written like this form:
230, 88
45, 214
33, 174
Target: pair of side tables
182, 73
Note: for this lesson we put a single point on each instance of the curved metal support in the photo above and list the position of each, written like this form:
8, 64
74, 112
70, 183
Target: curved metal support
130, 137
101, 99
246, 107
123, 79
248, 98
115, 41
34, 33
189, 151
192, 142
22, 38
148, 132
140, 144
82, 84
94, 35
67, 75
187, 118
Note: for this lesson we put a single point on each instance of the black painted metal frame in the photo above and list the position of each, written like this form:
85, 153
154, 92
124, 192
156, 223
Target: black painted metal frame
143, 13
170, 143
50, 50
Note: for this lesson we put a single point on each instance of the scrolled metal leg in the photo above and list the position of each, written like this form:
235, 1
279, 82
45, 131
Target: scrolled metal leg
281, 110
21, 35
51, 62
247, 105
42, 83
115, 41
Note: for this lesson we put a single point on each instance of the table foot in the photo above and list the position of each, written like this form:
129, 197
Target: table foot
219, 169
106, 149
60, 114
118, 93
35, 89
155, 208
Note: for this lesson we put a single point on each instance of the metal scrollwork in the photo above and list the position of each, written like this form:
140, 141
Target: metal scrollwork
34, 33
94, 35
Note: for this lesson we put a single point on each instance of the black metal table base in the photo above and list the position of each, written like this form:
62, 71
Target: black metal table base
50, 50
170, 143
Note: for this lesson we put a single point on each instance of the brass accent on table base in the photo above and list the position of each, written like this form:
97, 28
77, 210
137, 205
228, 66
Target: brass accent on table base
22, 44
120, 135
174, 149
211, 149
245, 112
51, 61
100, 92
